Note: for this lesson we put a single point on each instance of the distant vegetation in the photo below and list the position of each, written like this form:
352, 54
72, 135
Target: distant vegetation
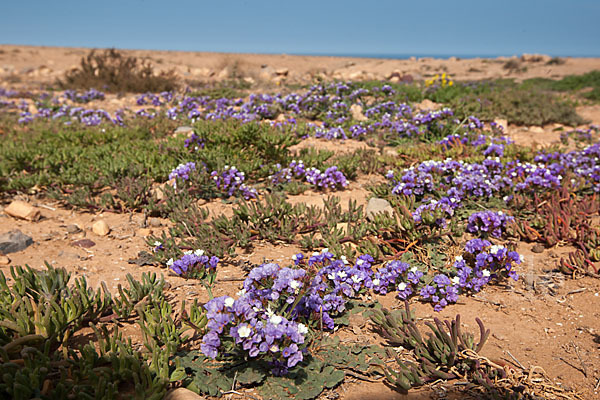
113, 72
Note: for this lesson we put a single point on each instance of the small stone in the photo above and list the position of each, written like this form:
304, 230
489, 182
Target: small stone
376, 206
85, 243
155, 222
427, 105
100, 228
73, 228
20, 209
184, 129
4, 260
536, 129
144, 232
14, 241
183, 394
538, 248
282, 71
357, 112
529, 279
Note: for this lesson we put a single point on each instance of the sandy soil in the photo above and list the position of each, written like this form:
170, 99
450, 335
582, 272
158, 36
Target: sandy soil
41, 65
545, 319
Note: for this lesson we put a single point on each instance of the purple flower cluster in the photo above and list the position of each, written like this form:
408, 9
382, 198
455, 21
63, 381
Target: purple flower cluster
194, 264
295, 169
84, 97
232, 180
489, 223
278, 305
434, 213
182, 171
194, 142
330, 179
244, 325
154, 99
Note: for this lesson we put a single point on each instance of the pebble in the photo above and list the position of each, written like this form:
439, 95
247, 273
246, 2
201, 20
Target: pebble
101, 228
376, 206
14, 241
155, 222
538, 248
183, 394
73, 228
22, 210
4, 260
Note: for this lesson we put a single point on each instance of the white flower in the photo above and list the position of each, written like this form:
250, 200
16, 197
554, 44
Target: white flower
157, 243
274, 348
375, 282
458, 258
316, 253
495, 248
170, 262
241, 292
294, 257
343, 258
485, 273
414, 269
401, 286
360, 262
302, 329
456, 280
342, 274
187, 252
325, 250
229, 302
199, 252
521, 258
356, 278
269, 312
294, 284
244, 331
275, 319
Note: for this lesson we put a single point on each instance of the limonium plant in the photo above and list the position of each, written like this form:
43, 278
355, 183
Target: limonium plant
278, 307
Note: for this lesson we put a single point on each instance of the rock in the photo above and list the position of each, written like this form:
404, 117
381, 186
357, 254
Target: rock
223, 74
538, 248
155, 222
20, 209
536, 129
201, 71
14, 241
427, 105
376, 206
4, 260
266, 73
187, 130
282, 71
85, 243
249, 80
183, 394
356, 75
144, 232
73, 228
357, 112
100, 228
159, 192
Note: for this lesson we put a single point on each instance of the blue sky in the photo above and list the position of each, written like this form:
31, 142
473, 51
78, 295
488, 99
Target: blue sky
460, 27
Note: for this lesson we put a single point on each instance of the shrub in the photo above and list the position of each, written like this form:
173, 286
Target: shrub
113, 72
